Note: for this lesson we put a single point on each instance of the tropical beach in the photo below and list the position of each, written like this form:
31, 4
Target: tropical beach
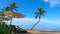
41, 32
29, 16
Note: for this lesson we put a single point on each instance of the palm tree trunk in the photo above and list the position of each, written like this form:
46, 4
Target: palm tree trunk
11, 21
0, 22
10, 24
35, 24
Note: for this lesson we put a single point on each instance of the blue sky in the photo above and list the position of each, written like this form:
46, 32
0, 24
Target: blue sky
28, 7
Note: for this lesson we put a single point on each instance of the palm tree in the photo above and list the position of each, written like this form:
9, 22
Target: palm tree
39, 14
7, 8
13, 6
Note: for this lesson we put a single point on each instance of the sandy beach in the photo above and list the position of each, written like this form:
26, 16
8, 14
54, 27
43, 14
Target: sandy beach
41, 32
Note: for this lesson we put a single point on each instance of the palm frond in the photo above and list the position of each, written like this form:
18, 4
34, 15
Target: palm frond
13, 5
7, 8
2, 10
40, 12
39, 16
36, 13
36, 16
43, 13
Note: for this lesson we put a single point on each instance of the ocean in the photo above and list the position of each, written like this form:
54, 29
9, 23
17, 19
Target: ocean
42, 25
39, 27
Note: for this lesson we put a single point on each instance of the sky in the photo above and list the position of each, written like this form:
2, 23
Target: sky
29, 7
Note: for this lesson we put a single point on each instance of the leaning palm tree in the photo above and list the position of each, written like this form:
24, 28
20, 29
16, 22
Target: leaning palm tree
39, 14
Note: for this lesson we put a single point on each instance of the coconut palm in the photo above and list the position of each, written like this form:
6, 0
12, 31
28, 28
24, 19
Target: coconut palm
7, 8
39, 14
9, 11
13, 6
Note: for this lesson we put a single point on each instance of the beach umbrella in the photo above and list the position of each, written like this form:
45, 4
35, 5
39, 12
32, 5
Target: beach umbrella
17, 15
13, 15
8, 13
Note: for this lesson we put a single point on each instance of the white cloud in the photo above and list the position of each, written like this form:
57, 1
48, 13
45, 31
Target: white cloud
53, 3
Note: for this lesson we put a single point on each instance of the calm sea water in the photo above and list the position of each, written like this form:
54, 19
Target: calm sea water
40, 27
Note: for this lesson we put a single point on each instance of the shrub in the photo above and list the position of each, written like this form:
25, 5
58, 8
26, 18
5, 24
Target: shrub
3, 29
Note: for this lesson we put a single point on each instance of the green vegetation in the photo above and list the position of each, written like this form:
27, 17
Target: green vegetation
3, 29
9, 29
12, 7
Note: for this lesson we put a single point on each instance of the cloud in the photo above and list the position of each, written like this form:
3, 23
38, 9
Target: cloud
53, 3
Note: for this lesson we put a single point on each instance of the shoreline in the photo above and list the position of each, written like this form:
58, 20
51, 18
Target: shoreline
42, 32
